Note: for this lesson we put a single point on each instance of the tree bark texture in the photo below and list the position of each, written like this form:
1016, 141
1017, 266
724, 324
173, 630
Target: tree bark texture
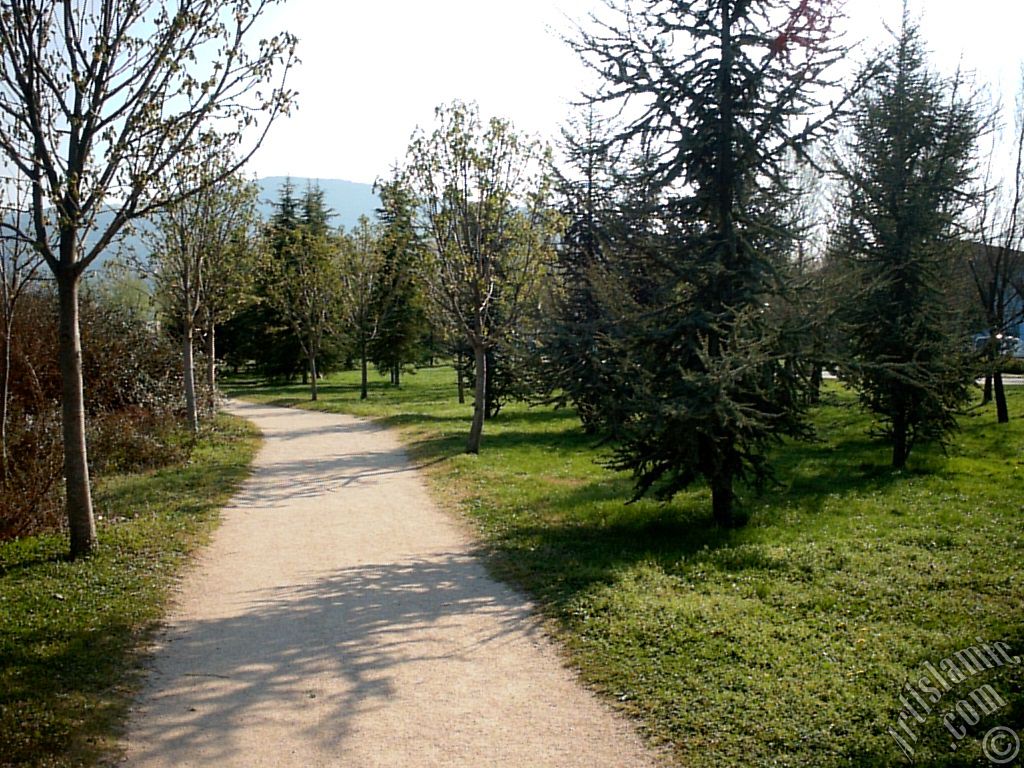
81, 523
211, 365
364, 382
1002, 412
189, 374
312, 377
479, 398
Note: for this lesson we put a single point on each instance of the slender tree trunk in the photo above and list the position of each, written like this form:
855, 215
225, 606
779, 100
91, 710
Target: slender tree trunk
479, 398
986, 393
1002, 412
722, 498
363, 383
396, 375
211, 364
312, 376
460, 379
900, 448
816, 377
188, 365
5, 385
81, 523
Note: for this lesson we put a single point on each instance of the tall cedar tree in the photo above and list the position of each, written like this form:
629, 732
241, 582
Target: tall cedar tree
908, 169
573, 355
258, 333
722, 90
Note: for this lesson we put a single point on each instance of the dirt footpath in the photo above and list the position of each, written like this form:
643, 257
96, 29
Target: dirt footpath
340, 619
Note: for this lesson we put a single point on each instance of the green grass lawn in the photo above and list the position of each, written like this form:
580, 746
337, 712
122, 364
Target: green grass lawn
70, 631
787, 642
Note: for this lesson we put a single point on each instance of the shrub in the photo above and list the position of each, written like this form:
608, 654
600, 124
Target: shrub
132, 389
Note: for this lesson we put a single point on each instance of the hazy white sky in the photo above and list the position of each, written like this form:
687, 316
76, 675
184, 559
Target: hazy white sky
372, 70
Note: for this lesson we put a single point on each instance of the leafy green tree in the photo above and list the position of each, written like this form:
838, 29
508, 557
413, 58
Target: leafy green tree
908, 170
575, 352
97, 101
720, 92
482, 192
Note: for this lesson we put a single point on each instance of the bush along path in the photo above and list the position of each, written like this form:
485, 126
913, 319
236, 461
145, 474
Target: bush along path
339, 618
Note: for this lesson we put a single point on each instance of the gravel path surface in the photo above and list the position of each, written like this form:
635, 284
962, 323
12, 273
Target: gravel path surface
340, 619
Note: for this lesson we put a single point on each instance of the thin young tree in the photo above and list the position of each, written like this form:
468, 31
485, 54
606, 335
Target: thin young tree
19, 266
909, 169
483, 194
361, 306
996, 265
97, 100
715, 95
194, 259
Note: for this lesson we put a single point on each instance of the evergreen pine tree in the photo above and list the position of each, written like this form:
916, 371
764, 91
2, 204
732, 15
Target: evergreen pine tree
908, 171
701, 387
402, 324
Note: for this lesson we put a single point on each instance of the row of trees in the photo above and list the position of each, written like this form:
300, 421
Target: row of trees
672, 281
666, 281
696, 308
98, 102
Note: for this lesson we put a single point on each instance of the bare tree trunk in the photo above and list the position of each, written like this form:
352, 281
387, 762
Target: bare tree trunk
1002, 412
363, 388
986, 393
460, 379
900, 447
722, 498
211, 364
81, 523
5, 396
396, 375
188, 372
312, 377
815, 391
479, 398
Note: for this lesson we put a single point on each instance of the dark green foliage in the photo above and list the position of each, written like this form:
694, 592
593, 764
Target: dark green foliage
907, 170
398, 302
574, 352
702, 378
262, 334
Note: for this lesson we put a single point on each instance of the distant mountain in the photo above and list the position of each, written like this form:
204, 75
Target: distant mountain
347, 199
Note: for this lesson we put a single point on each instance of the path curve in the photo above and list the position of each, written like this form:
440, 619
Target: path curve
339, 618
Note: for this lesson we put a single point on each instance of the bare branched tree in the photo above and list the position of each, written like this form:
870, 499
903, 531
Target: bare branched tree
19, 266
996, 265
195, 261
